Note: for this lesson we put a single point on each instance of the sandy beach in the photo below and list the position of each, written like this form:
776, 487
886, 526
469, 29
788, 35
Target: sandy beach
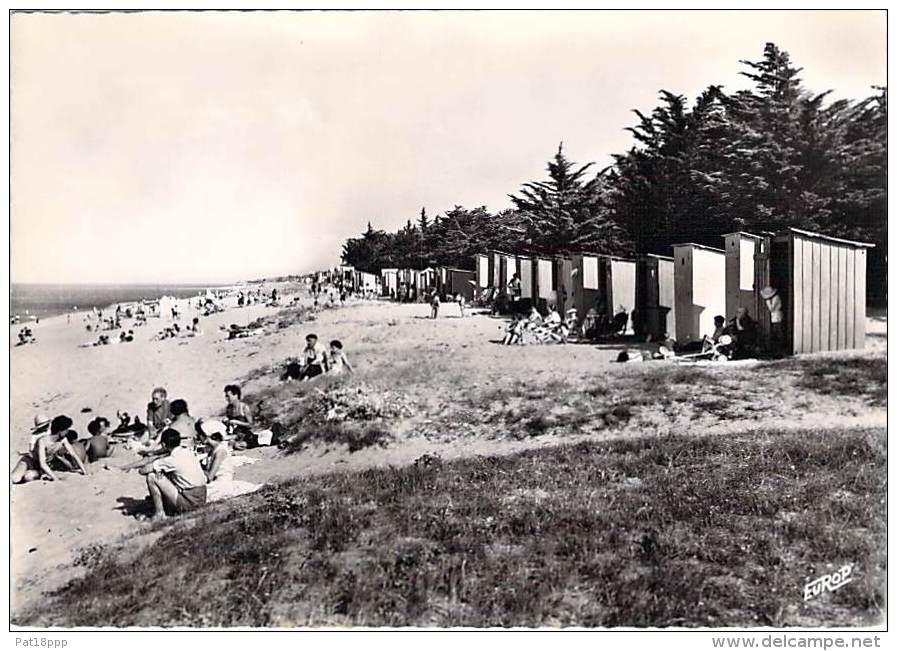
54, 523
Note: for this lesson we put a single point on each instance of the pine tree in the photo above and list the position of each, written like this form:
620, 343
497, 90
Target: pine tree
556, 210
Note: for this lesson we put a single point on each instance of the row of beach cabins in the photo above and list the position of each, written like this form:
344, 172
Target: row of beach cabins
820, 279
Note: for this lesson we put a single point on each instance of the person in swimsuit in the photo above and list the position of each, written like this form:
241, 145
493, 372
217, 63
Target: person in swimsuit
51, 452
98, 445
238, 415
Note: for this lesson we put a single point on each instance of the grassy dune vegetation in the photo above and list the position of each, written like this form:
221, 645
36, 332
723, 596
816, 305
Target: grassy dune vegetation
410, 396
695, 531
650, 522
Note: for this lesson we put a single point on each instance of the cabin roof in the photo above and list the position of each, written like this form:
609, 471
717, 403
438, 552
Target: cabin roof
699, 246
825, 238
745, 233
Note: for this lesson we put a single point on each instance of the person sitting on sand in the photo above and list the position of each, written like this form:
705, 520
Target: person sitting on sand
175, 480
719, 329
52, 451
534, 319
158, 413
78, 448
183, 423
744, 330
98, 445
339, 364
238, 415
213, 434
514, 331
314, 360
434, 305
41, 428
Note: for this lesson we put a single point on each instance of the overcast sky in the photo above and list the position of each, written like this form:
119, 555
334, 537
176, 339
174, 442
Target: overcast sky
207, 147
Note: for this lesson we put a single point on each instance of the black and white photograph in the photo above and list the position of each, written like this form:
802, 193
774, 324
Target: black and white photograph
443, 319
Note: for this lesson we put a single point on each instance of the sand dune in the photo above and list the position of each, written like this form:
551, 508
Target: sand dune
53, 521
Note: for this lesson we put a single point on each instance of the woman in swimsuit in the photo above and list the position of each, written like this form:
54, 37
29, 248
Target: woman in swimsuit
50, 452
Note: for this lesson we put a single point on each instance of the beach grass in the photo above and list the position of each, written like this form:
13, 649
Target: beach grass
439, 402
651, 531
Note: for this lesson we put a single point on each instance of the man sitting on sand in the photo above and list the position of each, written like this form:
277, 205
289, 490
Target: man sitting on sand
52, 451
158, 413
314, 361
183, 423
175, 480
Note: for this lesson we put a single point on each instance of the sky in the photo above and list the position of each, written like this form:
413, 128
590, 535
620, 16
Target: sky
216, 147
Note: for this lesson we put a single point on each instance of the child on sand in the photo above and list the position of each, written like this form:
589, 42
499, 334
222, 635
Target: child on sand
98, 445
79, 449
338, 362
459, 299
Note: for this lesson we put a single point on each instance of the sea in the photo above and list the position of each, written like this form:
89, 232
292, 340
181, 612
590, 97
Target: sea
46, 300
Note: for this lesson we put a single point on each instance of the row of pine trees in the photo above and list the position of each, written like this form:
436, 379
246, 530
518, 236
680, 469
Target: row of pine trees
758, 160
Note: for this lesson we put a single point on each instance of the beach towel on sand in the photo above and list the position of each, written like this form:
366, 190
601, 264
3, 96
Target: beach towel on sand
225, 486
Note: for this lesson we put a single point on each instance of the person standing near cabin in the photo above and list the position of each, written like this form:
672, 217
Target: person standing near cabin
776, 320
434, 305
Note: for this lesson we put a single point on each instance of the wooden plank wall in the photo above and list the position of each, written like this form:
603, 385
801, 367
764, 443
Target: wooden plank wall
494, 269
545, 283
510, 268
708, 288
825, 297
564, 284
686, 326
482, 271
526, 278
645, 321
666, 294
842, 299
623, 287
829, 296
585, 281
859, 297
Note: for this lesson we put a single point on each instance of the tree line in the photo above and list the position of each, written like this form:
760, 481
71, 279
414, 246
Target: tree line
761, 159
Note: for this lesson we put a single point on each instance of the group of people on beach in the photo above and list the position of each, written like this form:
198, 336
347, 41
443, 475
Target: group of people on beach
316, 360
532, 328
435, 303
181, 457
